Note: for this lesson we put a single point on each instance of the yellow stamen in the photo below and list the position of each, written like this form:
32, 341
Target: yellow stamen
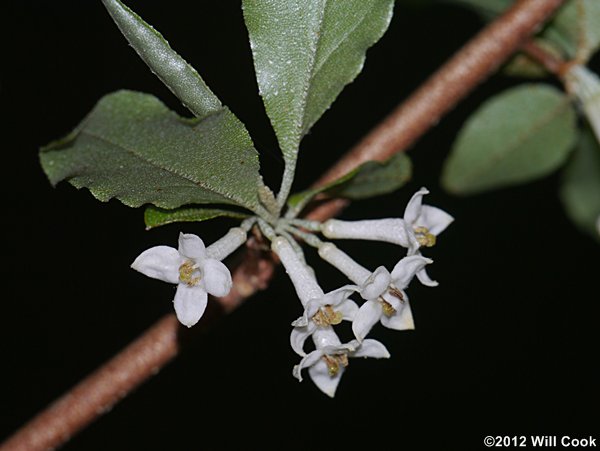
334, 362
388, 310
327, 316
186, 274
424, 237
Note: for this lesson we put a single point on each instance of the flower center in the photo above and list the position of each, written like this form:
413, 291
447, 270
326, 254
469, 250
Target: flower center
327, 316
388, 310
334, 362
186, 273
424, 237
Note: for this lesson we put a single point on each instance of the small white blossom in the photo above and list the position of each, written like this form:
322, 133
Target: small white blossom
320, 310
419, 228
423, 223
329, 310
195, 273
386, 300
328, 361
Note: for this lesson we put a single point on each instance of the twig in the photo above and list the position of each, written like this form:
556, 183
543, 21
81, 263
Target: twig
552, 63
100, 391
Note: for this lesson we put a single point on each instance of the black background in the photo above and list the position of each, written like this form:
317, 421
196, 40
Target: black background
507, 344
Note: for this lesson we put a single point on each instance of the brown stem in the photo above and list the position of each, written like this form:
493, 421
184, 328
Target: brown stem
552, 63
155, 348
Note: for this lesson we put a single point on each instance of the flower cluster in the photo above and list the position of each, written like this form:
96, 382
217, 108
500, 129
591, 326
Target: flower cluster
383, 292
198, 271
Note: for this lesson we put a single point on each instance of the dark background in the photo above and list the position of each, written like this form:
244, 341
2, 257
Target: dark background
507, 344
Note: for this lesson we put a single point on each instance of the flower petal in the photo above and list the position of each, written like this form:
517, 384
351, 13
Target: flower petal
301, 321
159, 262
190, 303
298, 337
401, 320
216, 277
395, 302
435, 219
376, 284
348, 309
311, 308
425, 279
368, 315
338, 296
191, 246
412, 244
308, 361
413, 208
406, 269
319, 373
371, 348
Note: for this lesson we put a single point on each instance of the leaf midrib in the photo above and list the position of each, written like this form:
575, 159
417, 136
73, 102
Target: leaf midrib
306, 86
316, 68
520, 140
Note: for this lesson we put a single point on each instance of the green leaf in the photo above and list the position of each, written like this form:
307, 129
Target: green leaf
299, 200
134, 148
154, 217
370, 179
576, 29
517, 136
181, 78
580, 189
375, 178
305, 52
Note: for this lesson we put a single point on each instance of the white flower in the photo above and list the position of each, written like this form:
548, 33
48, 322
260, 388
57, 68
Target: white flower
191, 269
320, 310
423, 223
328, 361
420, 227
328, 310
386, 301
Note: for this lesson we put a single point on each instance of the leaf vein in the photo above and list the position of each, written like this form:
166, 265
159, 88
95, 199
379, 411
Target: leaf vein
520, 139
